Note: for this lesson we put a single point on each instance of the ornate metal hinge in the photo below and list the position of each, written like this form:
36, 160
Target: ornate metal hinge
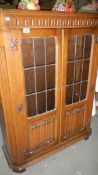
38, 147
14, 44
91, 86
19, 107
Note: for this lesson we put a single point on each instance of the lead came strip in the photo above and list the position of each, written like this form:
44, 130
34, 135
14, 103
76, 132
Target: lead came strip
45, 73
35, 79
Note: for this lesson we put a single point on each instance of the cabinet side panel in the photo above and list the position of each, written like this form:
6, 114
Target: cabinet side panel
15, 74
3, 127
7, 120
92, 81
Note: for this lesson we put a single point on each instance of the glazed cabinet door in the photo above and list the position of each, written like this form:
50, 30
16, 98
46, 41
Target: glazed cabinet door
40, 71
79, 73
34, 76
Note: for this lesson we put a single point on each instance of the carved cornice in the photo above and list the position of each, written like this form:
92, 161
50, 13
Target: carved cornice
42, 19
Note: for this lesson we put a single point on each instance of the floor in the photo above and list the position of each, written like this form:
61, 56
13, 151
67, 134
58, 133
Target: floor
78, 159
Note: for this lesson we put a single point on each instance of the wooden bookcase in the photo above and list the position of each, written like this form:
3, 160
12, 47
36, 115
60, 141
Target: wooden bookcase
47, 80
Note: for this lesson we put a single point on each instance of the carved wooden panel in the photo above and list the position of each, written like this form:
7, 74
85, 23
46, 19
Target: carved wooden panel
41, 134
73, 121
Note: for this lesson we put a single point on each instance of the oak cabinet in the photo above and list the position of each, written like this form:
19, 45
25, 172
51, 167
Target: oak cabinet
47, 79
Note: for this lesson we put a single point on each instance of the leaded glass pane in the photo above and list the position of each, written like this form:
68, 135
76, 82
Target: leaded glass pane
78, 63
39, 55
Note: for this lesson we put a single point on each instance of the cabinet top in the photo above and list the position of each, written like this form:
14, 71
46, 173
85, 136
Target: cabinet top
15, 18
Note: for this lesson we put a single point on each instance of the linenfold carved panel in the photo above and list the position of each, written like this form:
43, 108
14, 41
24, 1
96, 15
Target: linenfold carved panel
41, 134
74, 121
48, 19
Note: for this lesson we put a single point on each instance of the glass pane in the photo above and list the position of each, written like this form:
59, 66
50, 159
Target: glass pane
50, 99
88, 42
50, 71
78, 63
76, 95
41, 101
71, 48
31, 105
79, 47
70, 73
50, 50
87, 50
27, 52
85, 69
83, 90
40, 79
69, 94
78, 70
39, 74
39, 50
29, 80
